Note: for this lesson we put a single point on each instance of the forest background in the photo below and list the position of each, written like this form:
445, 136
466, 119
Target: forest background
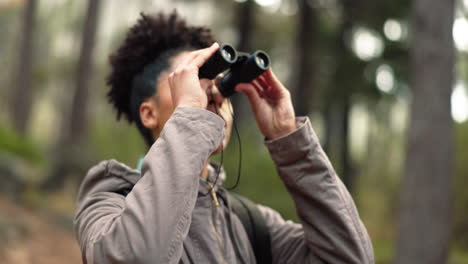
383, 82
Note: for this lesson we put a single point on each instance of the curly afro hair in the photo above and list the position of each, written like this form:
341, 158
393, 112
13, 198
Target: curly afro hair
150, 42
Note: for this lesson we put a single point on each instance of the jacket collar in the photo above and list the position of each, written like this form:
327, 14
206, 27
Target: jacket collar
212, 178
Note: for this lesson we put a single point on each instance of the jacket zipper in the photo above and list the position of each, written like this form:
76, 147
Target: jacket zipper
213, 220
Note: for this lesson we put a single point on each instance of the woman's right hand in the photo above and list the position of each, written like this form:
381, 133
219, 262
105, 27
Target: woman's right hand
184, 81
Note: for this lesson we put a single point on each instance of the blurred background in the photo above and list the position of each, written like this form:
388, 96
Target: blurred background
389, 102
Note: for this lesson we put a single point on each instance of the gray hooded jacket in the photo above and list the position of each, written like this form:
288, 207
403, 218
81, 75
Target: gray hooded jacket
166, 218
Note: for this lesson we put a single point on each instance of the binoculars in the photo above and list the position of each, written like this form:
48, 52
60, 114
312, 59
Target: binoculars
240, 67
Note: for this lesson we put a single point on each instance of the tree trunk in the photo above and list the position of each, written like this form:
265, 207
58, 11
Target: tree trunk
78, 118
425, 220
336, 143
245, 25
346, 165
69, 153
21, 100
340, 95
303, 92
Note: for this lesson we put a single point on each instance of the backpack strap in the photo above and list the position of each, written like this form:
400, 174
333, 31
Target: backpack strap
255, 226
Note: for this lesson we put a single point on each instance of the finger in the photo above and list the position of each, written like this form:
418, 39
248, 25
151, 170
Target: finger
169, 79
272, 91
270, 76
188, 58
250, 91
260, 89
206, 84
216, 96
262, 81
204, 54
276, 87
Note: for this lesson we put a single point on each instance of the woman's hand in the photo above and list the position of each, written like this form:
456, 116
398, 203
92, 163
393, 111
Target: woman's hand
184, 82
271, 104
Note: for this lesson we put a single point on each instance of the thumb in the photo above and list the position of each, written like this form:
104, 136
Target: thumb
270, 76
206, 84
249, 90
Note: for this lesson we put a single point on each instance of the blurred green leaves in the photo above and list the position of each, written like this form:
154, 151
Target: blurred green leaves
20, 147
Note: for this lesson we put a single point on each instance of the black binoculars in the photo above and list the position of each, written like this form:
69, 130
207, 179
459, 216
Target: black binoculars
243, 67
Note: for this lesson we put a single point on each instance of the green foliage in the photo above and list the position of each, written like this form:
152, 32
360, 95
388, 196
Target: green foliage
458, 255
460, 185
19, 146
383, 251
110, 139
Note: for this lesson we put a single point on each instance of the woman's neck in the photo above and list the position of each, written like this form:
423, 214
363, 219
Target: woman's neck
204, 172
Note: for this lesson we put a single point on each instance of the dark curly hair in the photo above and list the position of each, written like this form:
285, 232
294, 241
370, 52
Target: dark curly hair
144, 54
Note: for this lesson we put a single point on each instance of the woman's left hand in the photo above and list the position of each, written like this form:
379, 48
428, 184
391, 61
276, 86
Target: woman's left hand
271, 104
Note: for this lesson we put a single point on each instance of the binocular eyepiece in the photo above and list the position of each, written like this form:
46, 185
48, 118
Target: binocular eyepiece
243, 67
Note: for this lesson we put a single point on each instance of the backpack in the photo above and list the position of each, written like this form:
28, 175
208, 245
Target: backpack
255, 226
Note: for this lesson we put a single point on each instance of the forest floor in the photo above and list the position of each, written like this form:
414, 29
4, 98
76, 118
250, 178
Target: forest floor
30, 236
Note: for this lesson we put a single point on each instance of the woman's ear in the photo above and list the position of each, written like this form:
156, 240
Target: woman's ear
149, 115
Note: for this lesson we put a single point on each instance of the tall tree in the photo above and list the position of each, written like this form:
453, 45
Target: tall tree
21, 96
75, 125
425, 220
303, 92
338, 100
245, 23
77, 122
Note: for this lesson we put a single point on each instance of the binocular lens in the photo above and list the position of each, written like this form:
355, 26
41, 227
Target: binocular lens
220, 61
247, 68
243, 67
227, 54
262, 60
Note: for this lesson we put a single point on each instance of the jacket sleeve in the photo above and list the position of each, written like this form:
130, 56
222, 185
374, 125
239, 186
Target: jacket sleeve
331, 230
151, 222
